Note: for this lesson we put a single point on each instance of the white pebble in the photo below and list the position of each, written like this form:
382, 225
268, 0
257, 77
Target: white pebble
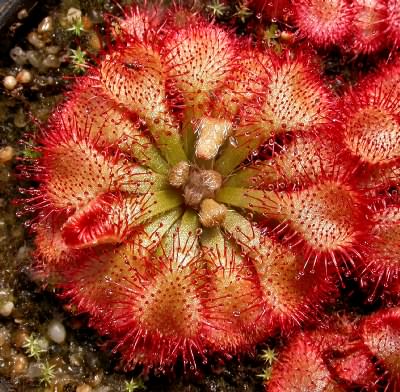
22, 14
56, 331
24, 76
73, 14
35, 370
18, 55
46, 25
34, 58
6, 154
34, 39
6, 308
9, 82
51, 61
83, 388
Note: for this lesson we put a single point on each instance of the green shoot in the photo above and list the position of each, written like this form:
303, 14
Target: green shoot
217, 9
33, 347
134, 385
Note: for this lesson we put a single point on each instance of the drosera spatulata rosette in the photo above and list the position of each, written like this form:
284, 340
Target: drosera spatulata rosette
344, 355
380, 332
196, 193
324, 22
357, 27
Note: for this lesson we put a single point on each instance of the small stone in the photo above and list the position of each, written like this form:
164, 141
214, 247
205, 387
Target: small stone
56, 331
34, 58
94, 41
6, 154
9, 82
24, 76
52, 49
76, 359
73, 14
35, 370
22, 14
18, 55
33, 38
84, 388
97, 379
20, 337
23, 253
20, 120
20, 364
6, 308
46, 25
51, 61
